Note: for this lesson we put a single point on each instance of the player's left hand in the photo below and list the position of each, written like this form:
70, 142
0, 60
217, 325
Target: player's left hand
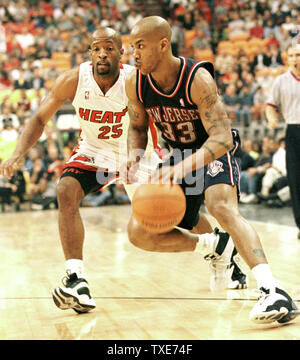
168, 174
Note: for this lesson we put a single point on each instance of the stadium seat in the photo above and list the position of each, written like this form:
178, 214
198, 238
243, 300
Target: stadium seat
204, 55
62, 60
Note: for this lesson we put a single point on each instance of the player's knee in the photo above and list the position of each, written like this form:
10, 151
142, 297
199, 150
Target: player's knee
222, 211
66, 195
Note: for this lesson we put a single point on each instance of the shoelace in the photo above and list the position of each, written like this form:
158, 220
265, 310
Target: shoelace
258, 294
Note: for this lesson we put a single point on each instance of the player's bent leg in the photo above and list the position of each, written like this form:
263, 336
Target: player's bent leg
224, 210
221, 202
177, 240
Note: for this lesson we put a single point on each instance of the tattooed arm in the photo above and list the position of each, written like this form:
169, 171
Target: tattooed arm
213, 116
214, 119
137, 137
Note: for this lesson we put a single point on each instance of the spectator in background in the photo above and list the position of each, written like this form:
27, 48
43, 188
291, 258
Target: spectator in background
246, 106
25, 39
64, 23
121, 25
201, 40
272, 41
236, 25
36, 100
284, 39
247, 160
259, 105
54, 42
269, 28
177, 38
223, 61
52, 72
23, 101
275, 57
5, 81
37, 82
19, 79
251, 178
133, 18
188, 22
261, 59
257, 30
8, 117
276, 171
33, 154
231, 102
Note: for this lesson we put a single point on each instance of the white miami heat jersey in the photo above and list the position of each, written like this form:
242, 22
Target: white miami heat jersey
104, 123
103, 118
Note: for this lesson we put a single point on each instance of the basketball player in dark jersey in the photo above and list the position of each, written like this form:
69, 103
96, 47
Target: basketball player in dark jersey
180, 96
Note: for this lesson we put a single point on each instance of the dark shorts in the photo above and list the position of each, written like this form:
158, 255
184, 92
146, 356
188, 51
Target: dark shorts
90, 179
224, 170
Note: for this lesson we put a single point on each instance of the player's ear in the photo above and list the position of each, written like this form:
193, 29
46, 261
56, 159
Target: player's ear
164, 44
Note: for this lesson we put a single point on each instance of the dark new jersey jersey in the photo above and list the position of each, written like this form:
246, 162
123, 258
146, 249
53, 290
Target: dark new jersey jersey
174, 113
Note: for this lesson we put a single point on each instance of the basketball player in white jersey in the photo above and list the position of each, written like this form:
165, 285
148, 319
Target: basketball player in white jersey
97, 91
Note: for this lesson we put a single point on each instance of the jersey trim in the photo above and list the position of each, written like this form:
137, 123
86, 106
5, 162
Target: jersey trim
273, 105
295, 76
206, 65
177, 86
139, 86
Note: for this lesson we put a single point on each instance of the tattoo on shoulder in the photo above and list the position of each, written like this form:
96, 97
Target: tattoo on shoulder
209, 100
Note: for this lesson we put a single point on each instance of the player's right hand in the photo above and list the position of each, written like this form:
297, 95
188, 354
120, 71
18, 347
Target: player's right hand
10, 166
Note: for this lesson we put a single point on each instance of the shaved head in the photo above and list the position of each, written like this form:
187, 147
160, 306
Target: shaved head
107, 33
106, 51
158, 27
150, 39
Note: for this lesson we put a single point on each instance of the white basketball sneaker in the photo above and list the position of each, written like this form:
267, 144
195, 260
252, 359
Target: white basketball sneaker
220, 261
75, 294
273, 305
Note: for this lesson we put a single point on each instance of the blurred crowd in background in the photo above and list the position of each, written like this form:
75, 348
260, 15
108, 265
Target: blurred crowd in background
246, 40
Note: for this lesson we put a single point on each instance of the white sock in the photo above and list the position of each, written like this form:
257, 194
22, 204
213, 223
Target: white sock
75, 266
264, 276
206, 243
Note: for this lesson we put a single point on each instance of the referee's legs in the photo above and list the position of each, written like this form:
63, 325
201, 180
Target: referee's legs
293, 168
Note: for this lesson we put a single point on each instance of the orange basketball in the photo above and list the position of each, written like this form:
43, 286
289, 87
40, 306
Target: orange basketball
158, 207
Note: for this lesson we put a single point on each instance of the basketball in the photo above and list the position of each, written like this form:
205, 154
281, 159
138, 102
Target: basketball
158, 207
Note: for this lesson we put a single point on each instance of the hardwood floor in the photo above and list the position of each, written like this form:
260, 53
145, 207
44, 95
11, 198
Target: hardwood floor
139, 295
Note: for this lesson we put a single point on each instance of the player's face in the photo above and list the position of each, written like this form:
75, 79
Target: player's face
294, 58
105, 55
146, 53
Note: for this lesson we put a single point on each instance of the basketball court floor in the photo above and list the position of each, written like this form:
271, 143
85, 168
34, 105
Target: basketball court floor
139, 295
